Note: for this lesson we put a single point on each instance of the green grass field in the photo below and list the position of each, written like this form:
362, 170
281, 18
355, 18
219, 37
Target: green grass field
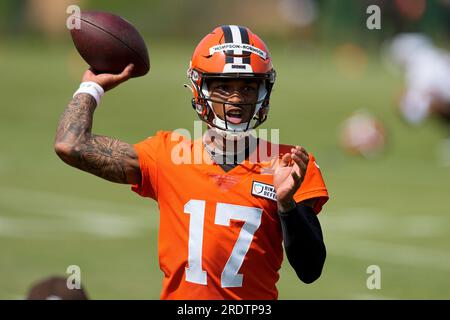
393, 211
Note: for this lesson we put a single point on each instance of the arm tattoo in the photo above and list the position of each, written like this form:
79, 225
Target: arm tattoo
102, 156
105, 157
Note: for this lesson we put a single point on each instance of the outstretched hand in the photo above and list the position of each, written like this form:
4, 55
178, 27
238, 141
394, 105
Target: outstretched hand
107, 80
289, 176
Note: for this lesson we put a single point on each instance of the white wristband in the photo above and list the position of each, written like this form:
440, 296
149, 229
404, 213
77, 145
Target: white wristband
92, 88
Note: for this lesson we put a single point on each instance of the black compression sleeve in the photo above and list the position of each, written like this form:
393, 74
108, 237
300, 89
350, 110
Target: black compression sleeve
303, 242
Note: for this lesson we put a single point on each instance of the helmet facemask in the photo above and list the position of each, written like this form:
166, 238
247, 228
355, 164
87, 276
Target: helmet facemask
203, 103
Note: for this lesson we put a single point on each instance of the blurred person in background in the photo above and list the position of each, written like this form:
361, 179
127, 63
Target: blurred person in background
363, 134
426, 90
427, 78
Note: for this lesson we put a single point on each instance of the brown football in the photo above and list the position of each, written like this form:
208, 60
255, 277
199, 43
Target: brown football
108, 43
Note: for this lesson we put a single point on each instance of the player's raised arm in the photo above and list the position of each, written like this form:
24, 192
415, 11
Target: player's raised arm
76, 145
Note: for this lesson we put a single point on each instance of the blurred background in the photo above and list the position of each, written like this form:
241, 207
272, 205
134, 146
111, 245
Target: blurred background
373, 111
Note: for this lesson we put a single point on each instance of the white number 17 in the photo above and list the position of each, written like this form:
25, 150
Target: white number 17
224, 213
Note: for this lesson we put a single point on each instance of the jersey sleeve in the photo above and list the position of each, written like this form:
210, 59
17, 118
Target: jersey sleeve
313, 186
147, 151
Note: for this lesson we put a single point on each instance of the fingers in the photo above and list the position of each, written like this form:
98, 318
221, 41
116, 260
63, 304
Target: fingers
301, 158
296, 177
128, 69
299, 155
285, 160
125, 74
109, 79
300, 151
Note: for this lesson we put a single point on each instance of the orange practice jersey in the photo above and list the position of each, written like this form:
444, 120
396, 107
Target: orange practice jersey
220, 236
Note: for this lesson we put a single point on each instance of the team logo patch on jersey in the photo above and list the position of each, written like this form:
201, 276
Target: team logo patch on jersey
264, 190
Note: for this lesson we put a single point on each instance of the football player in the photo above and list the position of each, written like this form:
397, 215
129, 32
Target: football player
223, 220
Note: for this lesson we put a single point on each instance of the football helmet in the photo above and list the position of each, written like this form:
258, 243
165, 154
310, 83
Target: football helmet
231, 52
